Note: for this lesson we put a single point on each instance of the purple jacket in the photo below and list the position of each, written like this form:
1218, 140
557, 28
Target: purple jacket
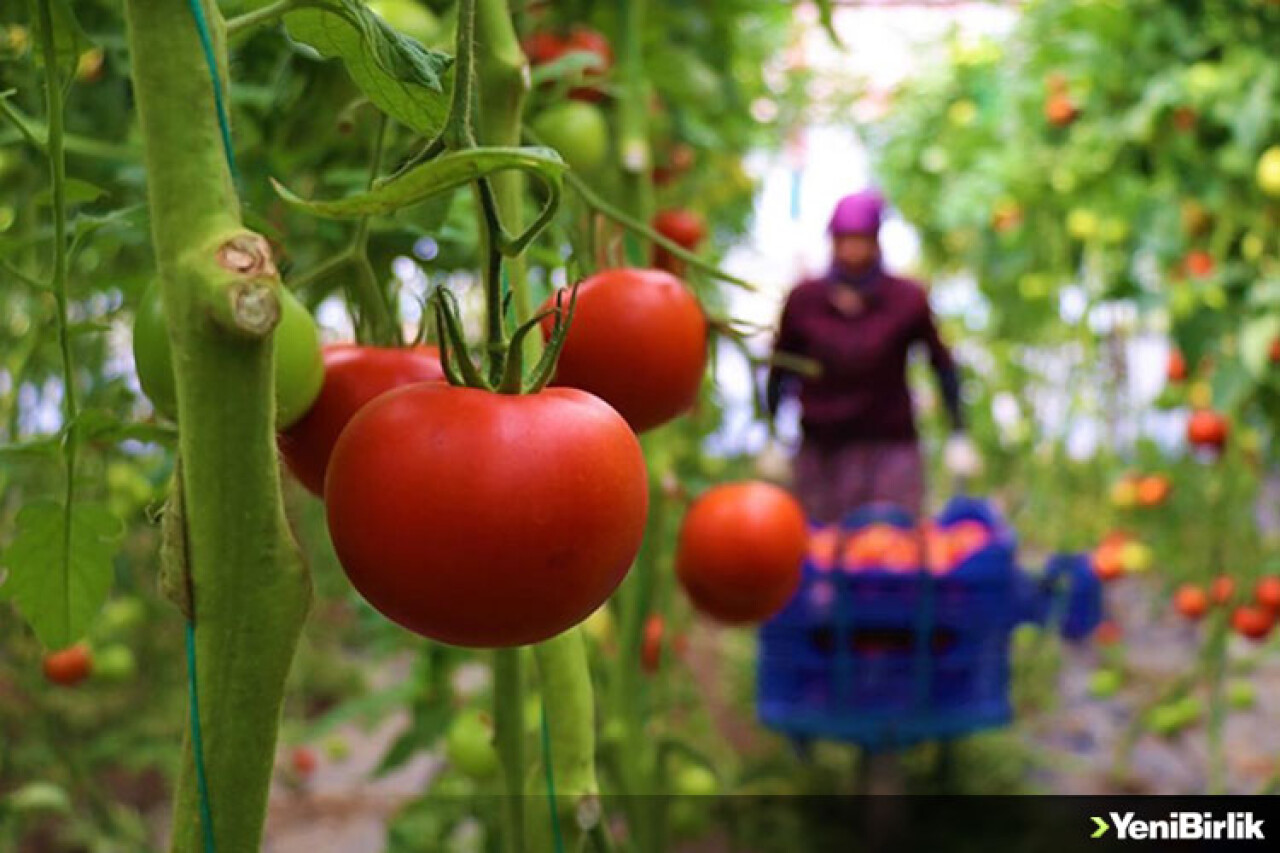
861, 394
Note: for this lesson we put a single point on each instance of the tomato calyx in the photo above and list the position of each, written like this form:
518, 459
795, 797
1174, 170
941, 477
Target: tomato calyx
506, 374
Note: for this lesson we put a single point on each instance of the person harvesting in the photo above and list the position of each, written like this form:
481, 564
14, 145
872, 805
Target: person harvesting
860, 323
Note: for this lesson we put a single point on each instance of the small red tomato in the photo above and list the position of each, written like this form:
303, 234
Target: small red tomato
1207, 428
304, 761
1267, 593
1191, 601
70, 666
353, 376
1177, 366
651, 645
1060, 110
1273, 352
638, 342
1108, 562
740, 549
1221, 589
682, 227
482, 519
1153, 490
1198, 264
1108, 633
1253, 623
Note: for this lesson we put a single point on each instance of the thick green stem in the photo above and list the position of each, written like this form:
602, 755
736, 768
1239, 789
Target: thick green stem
508, 733
633, 130
565, 680
249, 586
503, 73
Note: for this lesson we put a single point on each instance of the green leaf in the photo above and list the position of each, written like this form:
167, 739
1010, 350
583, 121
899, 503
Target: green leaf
78, 192
404, 79
48, 446
1256, 337
441, 175
60, 567
1232, 385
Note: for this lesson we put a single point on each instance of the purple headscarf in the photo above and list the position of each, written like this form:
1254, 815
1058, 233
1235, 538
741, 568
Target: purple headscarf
859, 213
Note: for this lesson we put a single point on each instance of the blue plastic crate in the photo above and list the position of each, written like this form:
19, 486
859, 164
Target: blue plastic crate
889, 658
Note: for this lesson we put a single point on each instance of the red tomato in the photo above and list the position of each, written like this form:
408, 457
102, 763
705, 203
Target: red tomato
740, 550
1153, 490
1273, 352
304, 761
682, 227
1108, 564
1177, 366
70, 666
1191, 601
639, 342
1207, 428
353, 376
1198, 264
482, 519
543, 48
1108, 633
1060, 110
1221, 590
651, 645
1267, 593
1253, 623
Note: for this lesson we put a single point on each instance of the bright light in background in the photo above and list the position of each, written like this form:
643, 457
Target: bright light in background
800, 185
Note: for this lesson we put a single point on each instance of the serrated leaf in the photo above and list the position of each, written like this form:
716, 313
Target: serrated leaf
441, 175
404, 79
1256, 338
60, 567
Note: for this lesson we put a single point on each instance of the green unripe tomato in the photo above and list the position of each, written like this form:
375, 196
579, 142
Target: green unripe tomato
1105, 683
694, 780
1242, 695
121, 616
409, 17
37, 797
298, 364
577, 130
469, 745
115, 664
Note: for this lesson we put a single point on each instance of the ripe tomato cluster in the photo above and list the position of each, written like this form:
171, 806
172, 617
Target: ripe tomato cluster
1119, 554
1147, 491
545, 47
1253, 620
884, 546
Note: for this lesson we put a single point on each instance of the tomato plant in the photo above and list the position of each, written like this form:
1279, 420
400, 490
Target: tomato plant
353, 376
639, 342
426, 556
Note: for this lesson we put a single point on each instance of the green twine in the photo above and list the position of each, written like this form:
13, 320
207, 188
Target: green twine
197, 740
551, 782
197, 743
206, 44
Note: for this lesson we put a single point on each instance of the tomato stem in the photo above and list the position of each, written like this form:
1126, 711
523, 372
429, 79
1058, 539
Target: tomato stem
508, 725
251, 585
